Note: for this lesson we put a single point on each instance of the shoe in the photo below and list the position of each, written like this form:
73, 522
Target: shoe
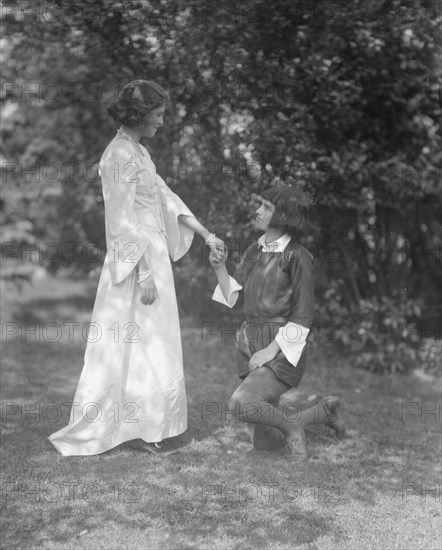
295, 444
333, 419
143, 446
151, 448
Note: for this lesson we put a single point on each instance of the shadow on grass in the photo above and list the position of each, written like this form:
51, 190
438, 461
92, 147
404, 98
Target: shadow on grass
215, 491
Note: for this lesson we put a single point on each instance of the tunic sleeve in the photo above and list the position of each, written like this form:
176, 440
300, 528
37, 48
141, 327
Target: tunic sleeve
126, 240
303, 292
291, 338
179, 236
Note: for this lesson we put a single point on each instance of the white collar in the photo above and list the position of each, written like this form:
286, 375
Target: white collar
276, 246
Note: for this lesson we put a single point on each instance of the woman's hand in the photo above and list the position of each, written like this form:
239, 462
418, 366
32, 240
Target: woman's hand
263, 356
149, 291
216, 245
218, 249
216, 260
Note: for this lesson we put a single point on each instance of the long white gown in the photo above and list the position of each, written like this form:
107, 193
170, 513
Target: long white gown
132, 383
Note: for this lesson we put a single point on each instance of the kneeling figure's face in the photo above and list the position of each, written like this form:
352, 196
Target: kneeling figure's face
264, 214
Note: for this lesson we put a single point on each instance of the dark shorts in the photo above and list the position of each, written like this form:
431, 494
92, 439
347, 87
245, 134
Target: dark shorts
256, 334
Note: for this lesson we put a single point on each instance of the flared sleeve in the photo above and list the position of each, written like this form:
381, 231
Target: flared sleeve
179, 236
235, 285
232, 297
126, 239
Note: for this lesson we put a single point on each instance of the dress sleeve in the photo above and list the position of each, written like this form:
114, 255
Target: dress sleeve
126, 240
303, 290
291, 338
179, 236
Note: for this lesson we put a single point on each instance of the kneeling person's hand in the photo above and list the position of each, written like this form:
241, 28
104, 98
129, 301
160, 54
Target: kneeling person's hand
263, 356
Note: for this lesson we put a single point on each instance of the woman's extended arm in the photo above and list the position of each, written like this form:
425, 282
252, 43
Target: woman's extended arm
216, 245
192, 223
176, 213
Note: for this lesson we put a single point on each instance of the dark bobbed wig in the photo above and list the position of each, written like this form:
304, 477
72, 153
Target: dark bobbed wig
136, 100
291, 209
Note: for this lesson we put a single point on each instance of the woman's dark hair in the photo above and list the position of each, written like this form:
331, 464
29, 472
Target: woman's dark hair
291, 209
136, 100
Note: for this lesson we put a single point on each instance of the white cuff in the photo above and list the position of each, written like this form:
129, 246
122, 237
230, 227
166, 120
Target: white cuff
291, 339
234, 288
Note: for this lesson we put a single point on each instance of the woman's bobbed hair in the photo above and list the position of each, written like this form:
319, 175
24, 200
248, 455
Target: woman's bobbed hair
291, 209
136, 100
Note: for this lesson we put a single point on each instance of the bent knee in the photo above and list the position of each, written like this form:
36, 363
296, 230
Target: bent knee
243, 399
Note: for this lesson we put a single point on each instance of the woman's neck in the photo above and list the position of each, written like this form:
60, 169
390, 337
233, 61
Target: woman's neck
272, 235
132, 132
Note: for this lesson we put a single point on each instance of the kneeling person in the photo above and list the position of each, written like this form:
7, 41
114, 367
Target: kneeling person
276, 276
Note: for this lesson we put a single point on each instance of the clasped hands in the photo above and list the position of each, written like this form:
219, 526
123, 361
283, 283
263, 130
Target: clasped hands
218, 249
149, 292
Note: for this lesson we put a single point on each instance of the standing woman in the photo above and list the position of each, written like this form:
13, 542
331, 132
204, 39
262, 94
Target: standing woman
132, 383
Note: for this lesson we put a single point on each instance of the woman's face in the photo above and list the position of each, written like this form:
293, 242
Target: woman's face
264, 214
152, 122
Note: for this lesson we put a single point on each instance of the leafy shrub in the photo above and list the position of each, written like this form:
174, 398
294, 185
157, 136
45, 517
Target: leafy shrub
380, 332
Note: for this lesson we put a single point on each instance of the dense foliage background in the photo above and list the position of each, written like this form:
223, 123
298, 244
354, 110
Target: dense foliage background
342, 96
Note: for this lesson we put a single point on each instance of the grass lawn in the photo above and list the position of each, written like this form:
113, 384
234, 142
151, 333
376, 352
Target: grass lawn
379, 488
